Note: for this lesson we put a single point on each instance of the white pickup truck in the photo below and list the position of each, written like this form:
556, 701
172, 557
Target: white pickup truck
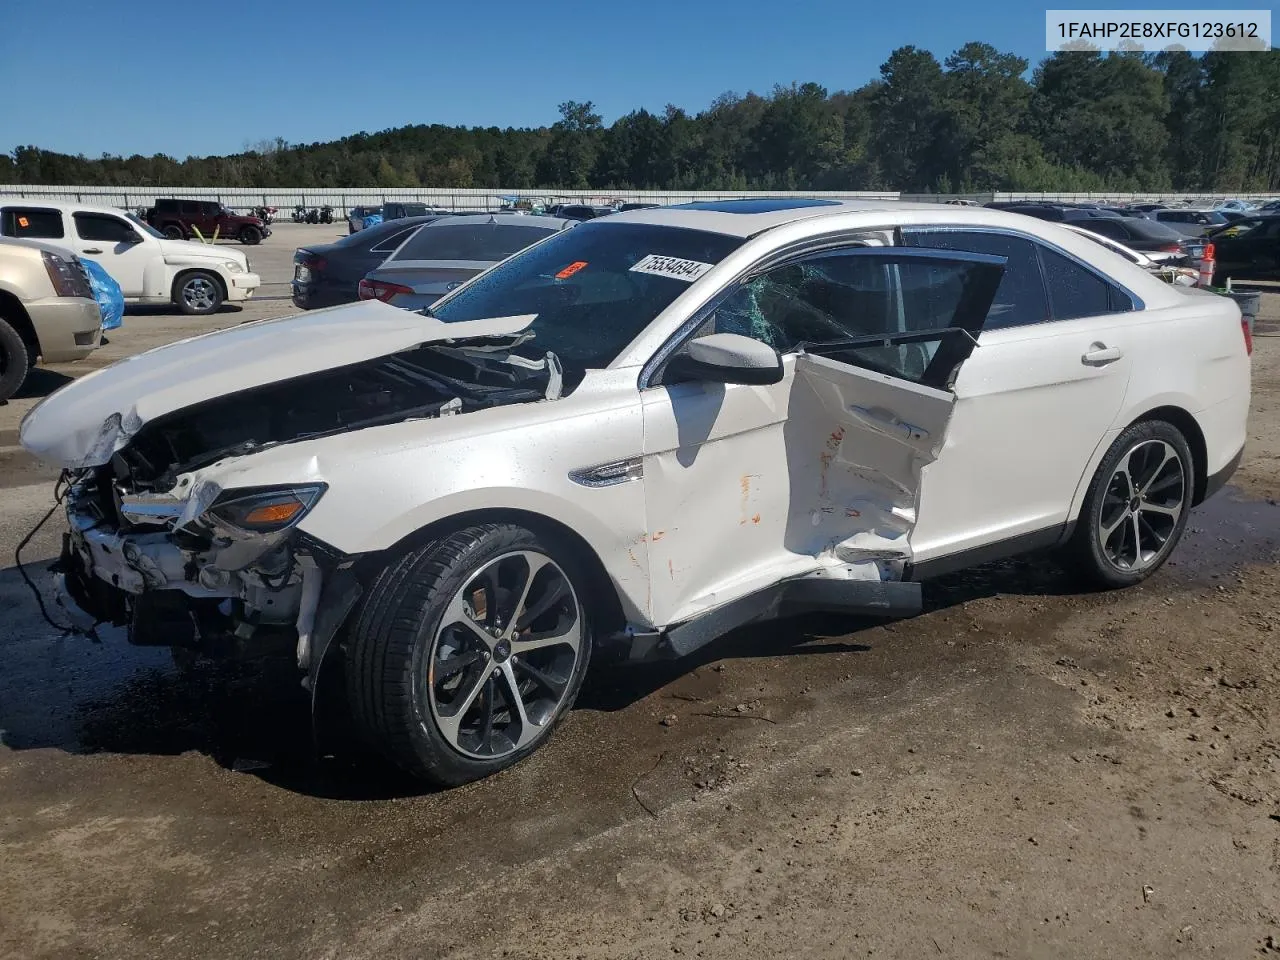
151, 269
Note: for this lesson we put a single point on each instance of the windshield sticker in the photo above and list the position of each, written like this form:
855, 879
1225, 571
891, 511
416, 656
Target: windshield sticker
571, 269
674, 267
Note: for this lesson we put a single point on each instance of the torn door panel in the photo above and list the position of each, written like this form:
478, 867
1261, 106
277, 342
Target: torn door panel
857, 442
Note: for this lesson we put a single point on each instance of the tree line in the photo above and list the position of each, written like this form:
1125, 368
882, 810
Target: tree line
1127, 121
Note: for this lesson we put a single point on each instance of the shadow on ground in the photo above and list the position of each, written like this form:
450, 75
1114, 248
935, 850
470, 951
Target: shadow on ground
77, 696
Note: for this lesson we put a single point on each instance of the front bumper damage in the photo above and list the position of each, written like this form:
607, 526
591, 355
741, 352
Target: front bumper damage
151, 566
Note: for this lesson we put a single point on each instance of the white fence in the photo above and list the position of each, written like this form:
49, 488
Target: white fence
342, 200
244, 198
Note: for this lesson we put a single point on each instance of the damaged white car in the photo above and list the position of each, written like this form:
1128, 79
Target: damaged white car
632, 437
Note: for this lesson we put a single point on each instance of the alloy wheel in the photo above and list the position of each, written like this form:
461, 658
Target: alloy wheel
502, 659
1143, 502
199, 294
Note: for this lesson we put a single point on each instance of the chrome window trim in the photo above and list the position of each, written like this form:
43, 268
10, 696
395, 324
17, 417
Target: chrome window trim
1137, 302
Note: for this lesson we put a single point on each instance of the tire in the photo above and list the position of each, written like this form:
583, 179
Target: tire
174, 232
15, 360
250, 236
198, 293
403, 688
1148, 466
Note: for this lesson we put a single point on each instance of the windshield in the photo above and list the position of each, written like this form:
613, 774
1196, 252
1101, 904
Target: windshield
594, 288
143, 225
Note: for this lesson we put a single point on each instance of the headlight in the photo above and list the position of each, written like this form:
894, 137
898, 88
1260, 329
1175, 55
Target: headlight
233, 266
265, 509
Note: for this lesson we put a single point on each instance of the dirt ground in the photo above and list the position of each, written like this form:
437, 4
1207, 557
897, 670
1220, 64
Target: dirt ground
1023, 771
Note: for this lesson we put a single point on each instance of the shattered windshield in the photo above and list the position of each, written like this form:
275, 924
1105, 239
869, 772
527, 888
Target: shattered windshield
593, 288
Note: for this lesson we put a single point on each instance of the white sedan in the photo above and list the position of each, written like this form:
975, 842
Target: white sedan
633, 437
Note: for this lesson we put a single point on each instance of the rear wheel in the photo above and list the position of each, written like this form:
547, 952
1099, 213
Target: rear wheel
175, 232
15, 360
1137, 506
197, 293
469, 651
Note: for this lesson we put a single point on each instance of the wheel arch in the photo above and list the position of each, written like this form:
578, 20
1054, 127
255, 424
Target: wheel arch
607, 607
1169, 410
185, 272
1188, 426
15, 314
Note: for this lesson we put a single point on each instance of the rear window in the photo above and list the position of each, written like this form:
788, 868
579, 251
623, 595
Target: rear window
1075, 291
1151, 230
485, 242
34, 223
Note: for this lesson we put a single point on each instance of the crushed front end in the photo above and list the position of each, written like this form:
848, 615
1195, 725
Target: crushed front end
225, 572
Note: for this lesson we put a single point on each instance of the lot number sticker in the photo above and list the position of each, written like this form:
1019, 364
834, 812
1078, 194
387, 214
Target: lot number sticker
674, 267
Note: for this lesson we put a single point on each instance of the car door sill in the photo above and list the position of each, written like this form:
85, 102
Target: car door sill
1042, 539
878, 598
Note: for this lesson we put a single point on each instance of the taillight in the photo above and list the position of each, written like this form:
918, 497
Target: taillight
1248, 335
67, 276
378, 290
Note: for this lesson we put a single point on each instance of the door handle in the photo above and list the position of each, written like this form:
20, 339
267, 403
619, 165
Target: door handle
889, 423
92, 250
1100, 355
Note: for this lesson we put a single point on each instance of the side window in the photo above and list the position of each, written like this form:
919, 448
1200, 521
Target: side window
835, 297
189, 208
105, 229
1020, 299
1077, 292
35, 223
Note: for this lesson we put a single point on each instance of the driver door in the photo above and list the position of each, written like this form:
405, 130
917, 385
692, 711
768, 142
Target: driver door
748, 485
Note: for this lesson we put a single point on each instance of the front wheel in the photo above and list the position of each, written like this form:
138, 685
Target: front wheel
468, 651
15, 360
1136, 508
198, 293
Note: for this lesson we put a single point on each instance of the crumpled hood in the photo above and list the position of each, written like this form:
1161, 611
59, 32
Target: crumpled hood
83, 423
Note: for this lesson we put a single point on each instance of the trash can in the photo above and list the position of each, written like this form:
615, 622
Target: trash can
1249, 303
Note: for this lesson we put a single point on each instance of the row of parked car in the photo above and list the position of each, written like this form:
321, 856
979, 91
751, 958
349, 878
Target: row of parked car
1245, 240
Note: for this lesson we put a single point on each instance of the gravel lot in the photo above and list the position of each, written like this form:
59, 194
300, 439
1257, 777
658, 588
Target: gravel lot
1023, 771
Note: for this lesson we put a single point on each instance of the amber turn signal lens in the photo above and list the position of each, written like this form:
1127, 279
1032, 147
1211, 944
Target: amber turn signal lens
273, 513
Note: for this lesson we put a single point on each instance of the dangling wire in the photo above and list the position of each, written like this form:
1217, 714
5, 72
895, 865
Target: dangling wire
59, 493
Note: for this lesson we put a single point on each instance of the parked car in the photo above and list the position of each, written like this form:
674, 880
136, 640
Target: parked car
1236, 206
1193, 223
47, 310
1248, 249
330, 274
1055, 212
1149, 236
180, 219
635, 436
1128, 212
1168, 266
150, 268
399, 210
1271, 206
579, 211
623, 208
446, 253
358, 215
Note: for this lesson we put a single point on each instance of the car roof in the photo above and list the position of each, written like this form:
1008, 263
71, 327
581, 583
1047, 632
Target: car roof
63, 205
513, 219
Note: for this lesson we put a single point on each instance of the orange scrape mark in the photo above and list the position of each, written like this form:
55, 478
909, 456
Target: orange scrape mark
756, 518
837, 435
850, 512
671, 570
659, 535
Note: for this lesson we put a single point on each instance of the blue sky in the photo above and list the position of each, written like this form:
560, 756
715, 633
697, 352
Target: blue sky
148, 76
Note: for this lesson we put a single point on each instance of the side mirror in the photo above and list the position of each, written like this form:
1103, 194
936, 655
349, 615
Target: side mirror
725, 358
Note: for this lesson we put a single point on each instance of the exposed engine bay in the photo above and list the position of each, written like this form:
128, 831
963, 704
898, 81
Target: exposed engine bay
186, 564
427, 382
